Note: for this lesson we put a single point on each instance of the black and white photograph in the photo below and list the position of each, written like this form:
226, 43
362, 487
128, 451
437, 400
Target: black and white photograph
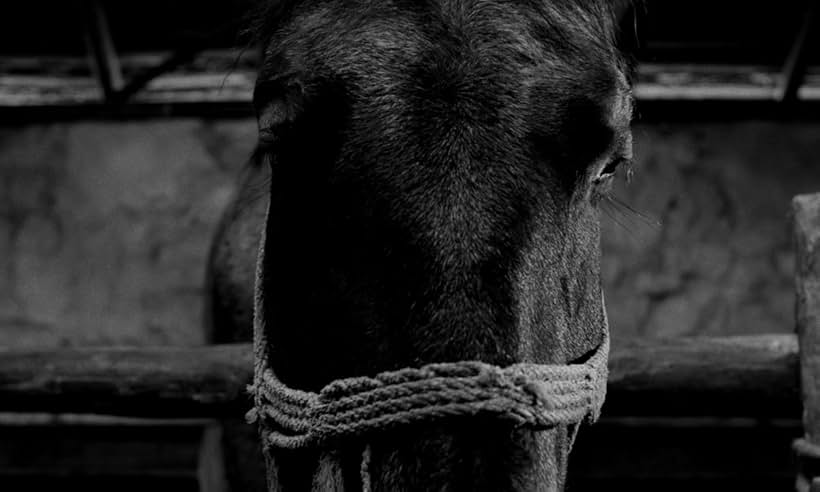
410, 246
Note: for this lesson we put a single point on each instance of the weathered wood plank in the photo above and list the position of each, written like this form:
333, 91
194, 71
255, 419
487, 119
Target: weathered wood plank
806, 210
151, 382
53, 87
732, 376
739, 376
807, 283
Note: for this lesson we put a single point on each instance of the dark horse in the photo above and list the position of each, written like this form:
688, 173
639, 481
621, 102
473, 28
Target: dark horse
433, 169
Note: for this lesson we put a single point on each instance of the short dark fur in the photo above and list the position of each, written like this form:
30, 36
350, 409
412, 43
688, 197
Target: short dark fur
432, 199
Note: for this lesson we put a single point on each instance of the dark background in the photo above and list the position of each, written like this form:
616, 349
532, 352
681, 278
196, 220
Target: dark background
696, 31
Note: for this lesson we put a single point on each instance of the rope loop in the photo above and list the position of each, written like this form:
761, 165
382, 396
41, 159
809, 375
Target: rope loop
533, 395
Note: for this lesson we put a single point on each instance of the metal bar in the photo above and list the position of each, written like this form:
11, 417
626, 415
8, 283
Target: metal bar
104, 55
795, 67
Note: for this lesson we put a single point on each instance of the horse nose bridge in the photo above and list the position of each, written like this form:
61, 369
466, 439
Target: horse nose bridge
471, 219
464, 96
474, 191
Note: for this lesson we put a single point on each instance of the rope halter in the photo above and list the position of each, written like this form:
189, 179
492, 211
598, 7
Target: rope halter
532, 395
538, 396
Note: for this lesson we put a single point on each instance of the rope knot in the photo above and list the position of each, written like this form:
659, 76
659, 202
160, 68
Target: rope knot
489, 376
526, 394
252, 415
539, 391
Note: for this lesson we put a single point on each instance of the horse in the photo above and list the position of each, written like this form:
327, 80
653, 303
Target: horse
427, 182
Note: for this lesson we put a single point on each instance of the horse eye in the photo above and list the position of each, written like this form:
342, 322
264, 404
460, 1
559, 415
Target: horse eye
612, 167
267, 138
605, 177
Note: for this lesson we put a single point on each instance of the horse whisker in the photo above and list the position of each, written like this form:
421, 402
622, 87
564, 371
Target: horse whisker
619, 205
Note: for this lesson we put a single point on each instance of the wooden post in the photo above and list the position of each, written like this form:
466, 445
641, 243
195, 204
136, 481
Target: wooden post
794, 69
211, 466
806, 209
101, 46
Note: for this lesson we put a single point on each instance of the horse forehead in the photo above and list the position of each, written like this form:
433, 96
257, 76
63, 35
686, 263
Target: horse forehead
388, 51
374, 37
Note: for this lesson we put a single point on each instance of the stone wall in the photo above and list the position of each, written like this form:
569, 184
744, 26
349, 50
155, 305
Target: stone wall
721, 260
105, 227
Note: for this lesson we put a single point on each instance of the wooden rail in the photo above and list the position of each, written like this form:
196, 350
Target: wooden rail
220, 83
754, 376
144, 382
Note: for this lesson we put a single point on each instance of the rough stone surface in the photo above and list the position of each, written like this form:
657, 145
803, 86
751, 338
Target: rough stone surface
721, 261
105, 228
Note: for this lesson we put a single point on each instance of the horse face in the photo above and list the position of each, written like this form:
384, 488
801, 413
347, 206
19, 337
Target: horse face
435, 172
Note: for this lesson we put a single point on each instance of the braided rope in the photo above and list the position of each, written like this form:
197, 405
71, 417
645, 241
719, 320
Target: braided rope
538, 396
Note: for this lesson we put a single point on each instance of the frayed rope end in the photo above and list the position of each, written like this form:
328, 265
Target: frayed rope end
252, 416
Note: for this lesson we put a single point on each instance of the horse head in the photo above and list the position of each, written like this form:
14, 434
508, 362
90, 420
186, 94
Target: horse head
436, 168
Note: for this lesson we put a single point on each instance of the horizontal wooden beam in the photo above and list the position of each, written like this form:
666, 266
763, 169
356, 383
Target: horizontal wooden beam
150, 382
222, 82
754, 376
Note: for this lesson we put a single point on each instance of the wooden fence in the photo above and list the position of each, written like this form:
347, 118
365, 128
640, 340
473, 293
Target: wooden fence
753, 377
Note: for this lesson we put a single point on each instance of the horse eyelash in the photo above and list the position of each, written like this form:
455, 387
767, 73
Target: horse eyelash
614, 165
624, 214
